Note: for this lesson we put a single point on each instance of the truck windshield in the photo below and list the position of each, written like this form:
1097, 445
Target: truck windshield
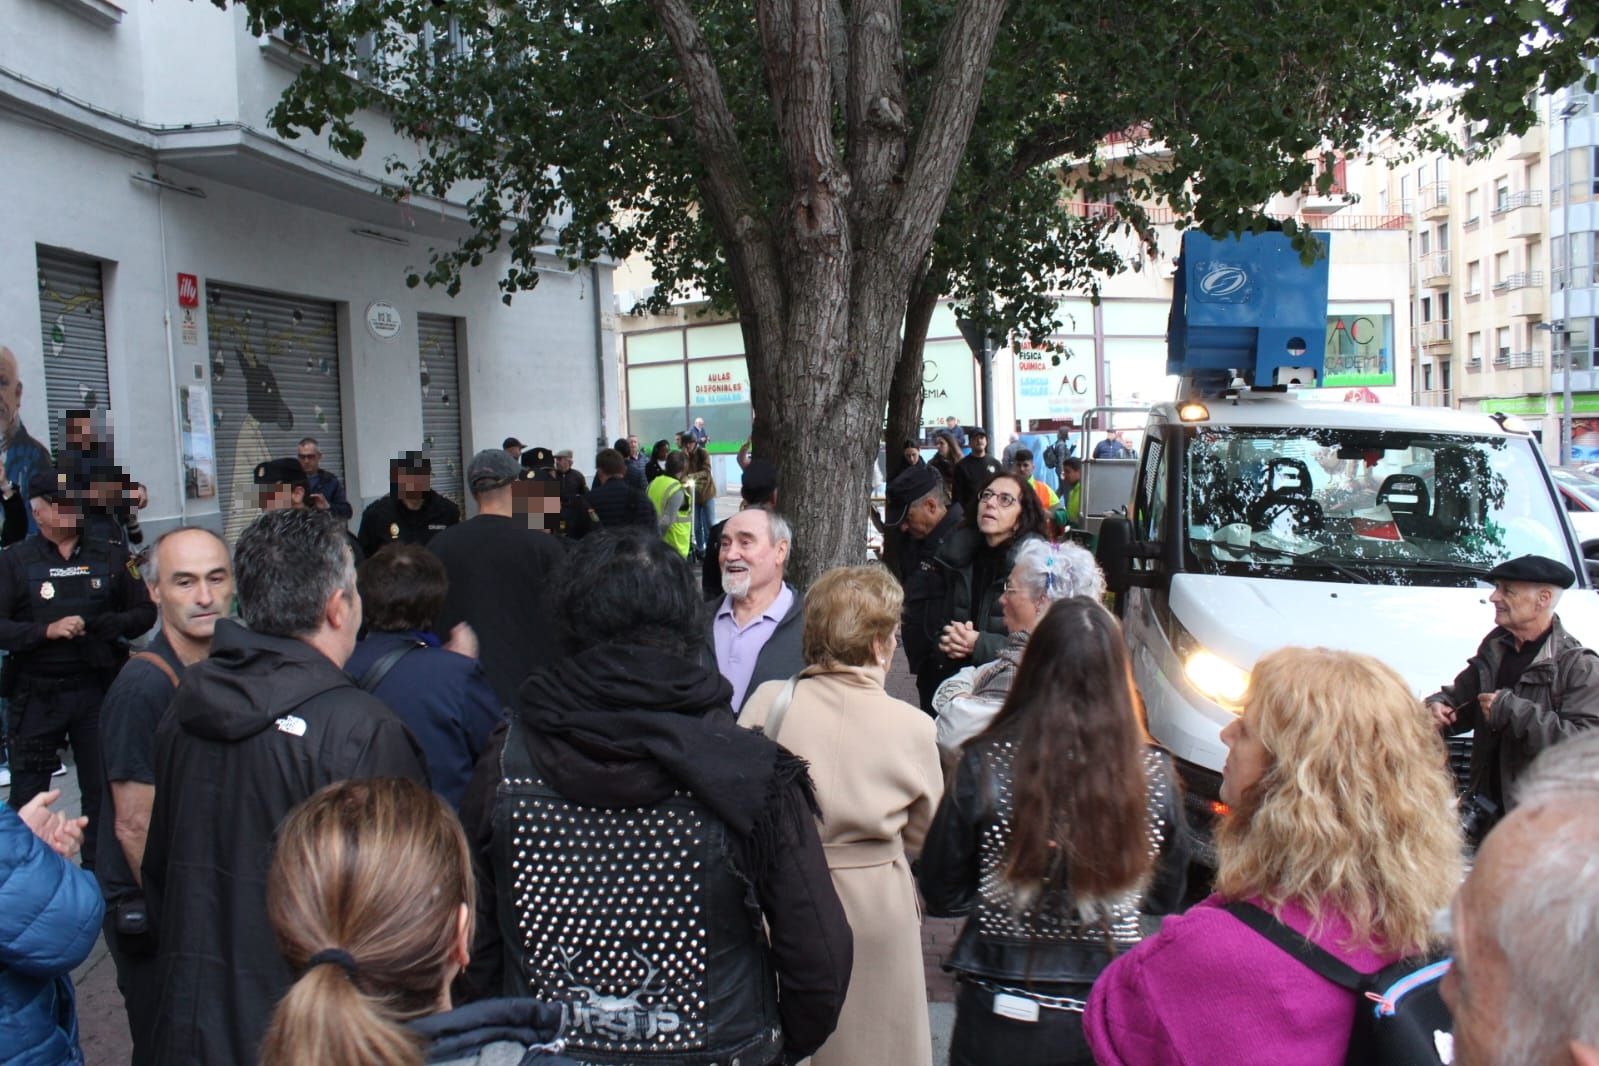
1361, 505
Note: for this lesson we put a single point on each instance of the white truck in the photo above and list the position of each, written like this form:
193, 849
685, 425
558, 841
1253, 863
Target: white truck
1262, 517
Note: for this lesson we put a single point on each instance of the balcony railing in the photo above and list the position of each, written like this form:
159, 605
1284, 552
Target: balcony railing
1436, 398
1433, 198
1517, 360
1525, 279
1473, 364
1526, 198
1434, 268
1435, 332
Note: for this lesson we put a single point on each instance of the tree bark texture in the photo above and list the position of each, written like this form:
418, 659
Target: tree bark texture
824, 278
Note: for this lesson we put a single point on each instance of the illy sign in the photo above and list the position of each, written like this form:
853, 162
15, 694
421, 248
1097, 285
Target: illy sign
188, 290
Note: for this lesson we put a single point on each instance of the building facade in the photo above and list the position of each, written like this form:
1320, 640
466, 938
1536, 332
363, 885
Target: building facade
1501, 297
214, 292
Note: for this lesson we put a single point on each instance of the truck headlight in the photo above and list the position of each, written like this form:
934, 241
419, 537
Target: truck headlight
1216, 677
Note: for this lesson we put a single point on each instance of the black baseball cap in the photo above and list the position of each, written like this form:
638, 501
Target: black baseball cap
51, 485
908, 486
280, 472
511, 442
414, 463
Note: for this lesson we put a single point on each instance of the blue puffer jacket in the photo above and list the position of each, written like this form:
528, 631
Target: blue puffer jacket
50, 915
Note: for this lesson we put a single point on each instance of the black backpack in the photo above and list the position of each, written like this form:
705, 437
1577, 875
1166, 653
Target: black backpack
1401, 1018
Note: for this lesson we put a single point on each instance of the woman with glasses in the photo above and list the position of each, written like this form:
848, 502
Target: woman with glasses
1341, 826
877, 784
978, 558
1060, 818
1043, 574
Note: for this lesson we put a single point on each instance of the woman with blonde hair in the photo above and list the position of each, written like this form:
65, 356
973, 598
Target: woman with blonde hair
1342, 827
369, 896
875, 765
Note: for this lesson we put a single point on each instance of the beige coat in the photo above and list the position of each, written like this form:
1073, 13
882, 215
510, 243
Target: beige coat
875, 764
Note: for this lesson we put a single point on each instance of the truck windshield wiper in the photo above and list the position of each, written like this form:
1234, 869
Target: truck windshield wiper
1443, 566
1307, 561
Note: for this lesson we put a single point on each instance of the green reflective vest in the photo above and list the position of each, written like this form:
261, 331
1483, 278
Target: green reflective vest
680, 532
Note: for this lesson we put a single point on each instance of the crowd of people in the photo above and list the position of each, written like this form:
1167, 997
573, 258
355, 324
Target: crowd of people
532, 787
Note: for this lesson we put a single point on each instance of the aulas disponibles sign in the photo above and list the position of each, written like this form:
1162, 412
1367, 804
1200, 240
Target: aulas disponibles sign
722, 385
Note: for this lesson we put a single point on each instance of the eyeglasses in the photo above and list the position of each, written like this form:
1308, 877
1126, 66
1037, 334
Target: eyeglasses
1005, 499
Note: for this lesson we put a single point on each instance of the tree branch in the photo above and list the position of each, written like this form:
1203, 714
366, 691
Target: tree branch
941, 142
729, 194
876, 109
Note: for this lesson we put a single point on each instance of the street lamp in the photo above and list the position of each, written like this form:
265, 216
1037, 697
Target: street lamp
1572, 109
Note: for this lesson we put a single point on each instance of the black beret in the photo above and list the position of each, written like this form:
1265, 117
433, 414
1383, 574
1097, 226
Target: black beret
1536, 569
280, 472
759, 482
908, 486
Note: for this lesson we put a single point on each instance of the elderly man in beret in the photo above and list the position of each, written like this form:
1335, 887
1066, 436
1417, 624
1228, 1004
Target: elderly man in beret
1530, 685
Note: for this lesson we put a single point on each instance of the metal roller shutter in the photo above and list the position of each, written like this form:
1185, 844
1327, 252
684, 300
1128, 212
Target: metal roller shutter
441, 404
72, 315
274, 379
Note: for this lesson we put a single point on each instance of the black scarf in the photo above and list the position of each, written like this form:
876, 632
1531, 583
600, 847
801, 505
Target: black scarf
619, 726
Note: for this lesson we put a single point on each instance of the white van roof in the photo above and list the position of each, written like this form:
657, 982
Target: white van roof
1289, 409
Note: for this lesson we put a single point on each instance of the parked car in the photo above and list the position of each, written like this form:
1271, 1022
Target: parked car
1579, 492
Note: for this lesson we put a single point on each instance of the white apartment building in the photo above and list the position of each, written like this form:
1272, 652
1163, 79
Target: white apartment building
1497, 301
215, 292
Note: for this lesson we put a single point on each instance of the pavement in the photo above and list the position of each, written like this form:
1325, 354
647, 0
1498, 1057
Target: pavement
103, 1024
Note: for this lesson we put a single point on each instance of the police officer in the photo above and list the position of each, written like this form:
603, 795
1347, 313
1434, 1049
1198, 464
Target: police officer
282, 484
916, 506
411, 513
67, 603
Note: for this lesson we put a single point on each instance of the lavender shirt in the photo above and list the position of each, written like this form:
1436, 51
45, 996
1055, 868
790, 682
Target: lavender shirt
737, 648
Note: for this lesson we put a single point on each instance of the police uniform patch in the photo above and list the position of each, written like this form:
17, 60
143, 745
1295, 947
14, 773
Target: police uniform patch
95, 582
133, 570
47, 591
394, 531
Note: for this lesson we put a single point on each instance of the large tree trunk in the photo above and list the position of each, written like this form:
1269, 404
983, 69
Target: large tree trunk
823, 280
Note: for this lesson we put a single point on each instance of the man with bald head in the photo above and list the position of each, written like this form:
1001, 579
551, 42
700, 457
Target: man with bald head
1530, 685
1526, 924
21, 454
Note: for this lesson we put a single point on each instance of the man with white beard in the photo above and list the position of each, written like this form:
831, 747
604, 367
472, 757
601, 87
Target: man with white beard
757, 627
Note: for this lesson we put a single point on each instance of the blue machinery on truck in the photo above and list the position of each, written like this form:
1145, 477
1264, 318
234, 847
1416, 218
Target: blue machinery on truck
1247, 311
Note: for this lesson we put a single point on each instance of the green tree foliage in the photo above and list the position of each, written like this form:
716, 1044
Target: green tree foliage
788, 157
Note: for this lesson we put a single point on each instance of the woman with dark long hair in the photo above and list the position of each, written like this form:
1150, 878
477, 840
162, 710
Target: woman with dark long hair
1061, 824
656, 466
979, 557
948, 454
370, 896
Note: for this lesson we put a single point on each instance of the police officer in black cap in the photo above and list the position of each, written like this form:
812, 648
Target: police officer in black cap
1530, 685
917, 506
68, 604
411, 513
282, 484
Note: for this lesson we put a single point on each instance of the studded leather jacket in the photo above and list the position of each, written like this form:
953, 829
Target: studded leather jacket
636, 920
1045, 941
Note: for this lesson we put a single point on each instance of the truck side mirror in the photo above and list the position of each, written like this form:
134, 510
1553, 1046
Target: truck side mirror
1114, 553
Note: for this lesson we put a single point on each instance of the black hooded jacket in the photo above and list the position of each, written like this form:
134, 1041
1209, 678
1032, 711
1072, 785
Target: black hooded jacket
254, 730
610, 744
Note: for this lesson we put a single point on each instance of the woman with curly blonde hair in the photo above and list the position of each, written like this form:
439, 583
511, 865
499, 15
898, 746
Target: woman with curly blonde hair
1342, 827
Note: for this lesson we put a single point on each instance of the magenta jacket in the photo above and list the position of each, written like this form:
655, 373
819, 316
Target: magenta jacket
1209, 989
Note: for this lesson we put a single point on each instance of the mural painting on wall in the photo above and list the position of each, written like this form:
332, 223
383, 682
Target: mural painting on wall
265, 428
450, 463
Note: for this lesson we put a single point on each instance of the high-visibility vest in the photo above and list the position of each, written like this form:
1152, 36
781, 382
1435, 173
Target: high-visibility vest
680, 533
